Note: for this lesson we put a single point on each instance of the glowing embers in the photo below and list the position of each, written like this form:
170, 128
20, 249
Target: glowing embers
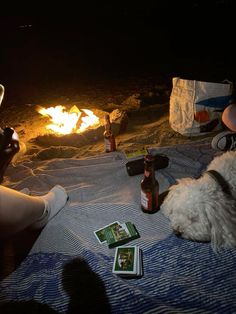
72, 121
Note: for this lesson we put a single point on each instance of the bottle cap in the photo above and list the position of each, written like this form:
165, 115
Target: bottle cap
149, 158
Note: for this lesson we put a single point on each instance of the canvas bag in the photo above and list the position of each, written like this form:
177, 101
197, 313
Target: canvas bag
196, 107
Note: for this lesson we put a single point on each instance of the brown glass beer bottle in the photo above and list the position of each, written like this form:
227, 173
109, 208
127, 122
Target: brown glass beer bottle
109, 138
149, 187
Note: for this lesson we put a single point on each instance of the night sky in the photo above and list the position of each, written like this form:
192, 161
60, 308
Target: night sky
192, 39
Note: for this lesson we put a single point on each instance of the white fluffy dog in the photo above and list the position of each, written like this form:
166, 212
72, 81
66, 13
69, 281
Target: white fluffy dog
200, 209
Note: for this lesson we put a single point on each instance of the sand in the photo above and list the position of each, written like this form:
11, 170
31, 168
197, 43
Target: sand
145, 103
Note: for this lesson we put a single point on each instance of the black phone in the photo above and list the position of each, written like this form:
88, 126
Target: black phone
5, 137
136, 166
8, 148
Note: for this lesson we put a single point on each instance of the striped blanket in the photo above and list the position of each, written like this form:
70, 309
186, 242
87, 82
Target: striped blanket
68, 271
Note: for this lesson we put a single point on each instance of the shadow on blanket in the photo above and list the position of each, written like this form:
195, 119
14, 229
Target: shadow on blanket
77, 280
26, 307
14, 250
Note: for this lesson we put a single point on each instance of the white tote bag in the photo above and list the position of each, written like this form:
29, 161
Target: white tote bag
196, 107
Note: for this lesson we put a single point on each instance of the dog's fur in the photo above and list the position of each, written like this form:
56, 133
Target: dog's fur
199, 210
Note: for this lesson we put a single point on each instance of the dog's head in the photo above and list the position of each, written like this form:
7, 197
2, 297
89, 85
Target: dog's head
200, 211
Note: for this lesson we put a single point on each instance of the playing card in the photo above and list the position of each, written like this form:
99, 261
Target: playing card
100, 233
125, 261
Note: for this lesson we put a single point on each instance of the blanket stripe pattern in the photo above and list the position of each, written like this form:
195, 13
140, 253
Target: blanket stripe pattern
179, 275
69, 271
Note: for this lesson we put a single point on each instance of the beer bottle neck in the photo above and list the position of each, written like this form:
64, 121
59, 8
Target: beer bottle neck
107, 124
107, 127
148, 170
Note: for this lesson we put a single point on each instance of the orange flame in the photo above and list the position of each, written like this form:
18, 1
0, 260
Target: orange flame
74, 121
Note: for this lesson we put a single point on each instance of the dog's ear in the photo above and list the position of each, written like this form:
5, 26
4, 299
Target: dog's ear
222, 220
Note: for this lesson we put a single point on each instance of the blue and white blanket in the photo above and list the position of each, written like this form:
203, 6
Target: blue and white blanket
70, 272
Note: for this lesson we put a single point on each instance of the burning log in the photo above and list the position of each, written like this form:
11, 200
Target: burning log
120, 118
74, 121
88, 126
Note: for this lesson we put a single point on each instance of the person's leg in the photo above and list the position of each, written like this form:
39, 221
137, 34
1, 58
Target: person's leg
19, 211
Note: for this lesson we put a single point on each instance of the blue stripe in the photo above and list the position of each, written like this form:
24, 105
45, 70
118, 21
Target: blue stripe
217, 102
177, 277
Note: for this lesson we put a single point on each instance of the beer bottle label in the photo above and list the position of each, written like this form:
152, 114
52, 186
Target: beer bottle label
109, 144
146, 201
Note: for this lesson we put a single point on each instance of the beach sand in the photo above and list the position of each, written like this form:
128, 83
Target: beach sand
144, 102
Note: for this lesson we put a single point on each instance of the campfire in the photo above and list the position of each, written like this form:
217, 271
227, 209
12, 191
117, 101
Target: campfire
73, 121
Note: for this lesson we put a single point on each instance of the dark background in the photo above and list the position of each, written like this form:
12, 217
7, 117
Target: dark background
62, 46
